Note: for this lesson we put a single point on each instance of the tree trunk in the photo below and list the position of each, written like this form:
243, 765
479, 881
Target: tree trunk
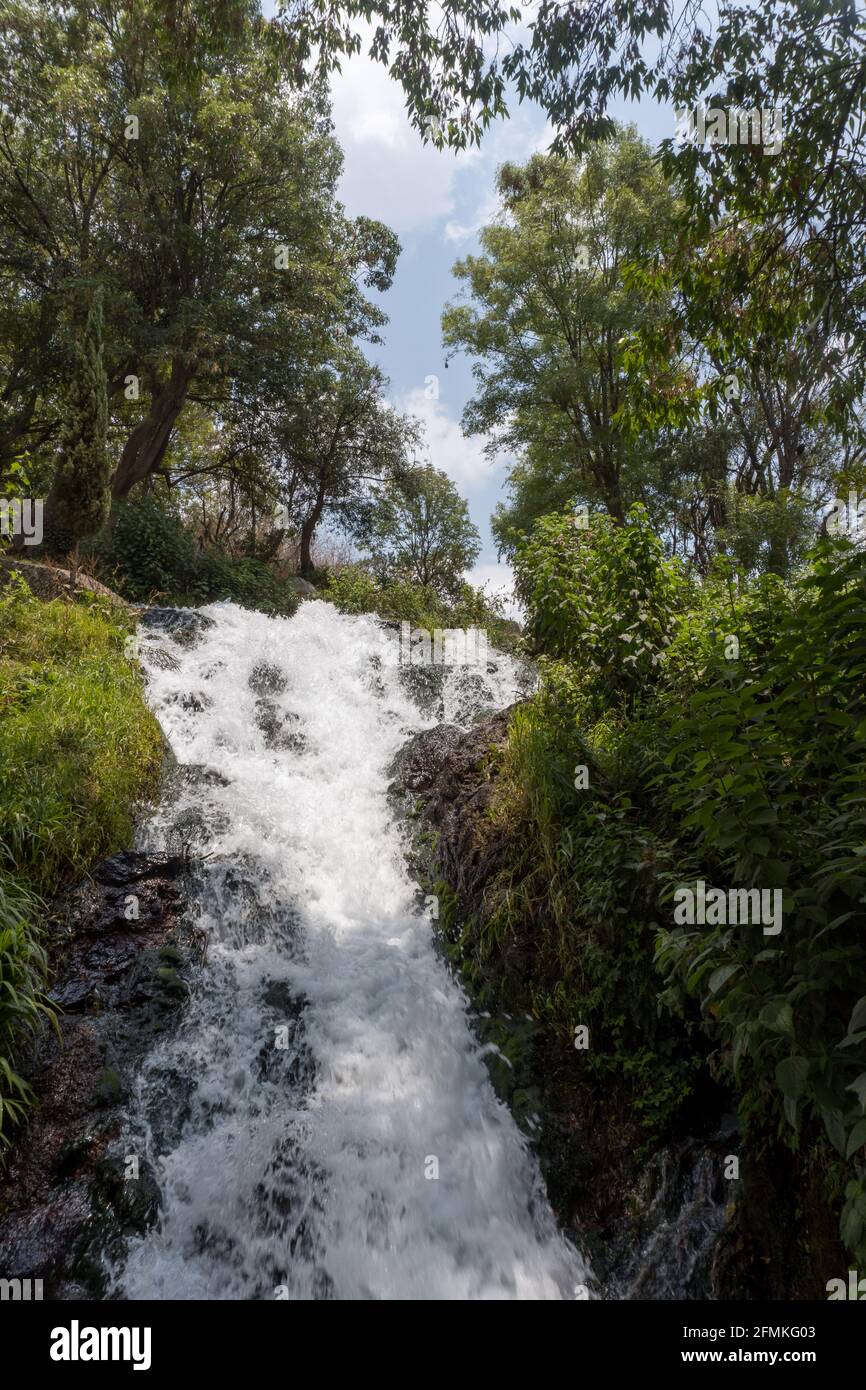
145, 448
308, 530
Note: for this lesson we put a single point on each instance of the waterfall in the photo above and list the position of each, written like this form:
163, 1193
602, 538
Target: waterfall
321, 1122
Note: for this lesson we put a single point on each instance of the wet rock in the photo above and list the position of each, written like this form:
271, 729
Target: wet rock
183, 625
109, 1089
267, 679
302, 587
132, 1197
195, 701
447, 775
65, 1200
281, 729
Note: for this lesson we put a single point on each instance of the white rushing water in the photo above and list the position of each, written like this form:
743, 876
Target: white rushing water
326, 1056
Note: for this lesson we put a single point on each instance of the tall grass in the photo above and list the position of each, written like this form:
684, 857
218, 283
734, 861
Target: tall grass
78, 750
23, 970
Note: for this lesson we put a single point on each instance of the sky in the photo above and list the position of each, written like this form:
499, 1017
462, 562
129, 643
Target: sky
436, 201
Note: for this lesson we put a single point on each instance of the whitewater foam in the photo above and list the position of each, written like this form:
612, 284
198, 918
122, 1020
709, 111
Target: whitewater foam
326, 1056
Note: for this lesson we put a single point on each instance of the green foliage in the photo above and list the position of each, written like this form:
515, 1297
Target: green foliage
420, 529
803, 59
548, 311
603, 597
354, 589
78, 749
23, 1006
79, 501
579, 894
151, 556
78, 746
766, 779
229, 268
737, 757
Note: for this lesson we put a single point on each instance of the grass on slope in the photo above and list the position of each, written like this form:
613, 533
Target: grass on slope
78, 749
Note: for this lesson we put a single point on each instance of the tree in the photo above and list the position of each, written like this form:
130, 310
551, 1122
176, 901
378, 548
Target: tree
805, 60
764, 401
79, 500
550, 309
421, 529
159, 150
336, 439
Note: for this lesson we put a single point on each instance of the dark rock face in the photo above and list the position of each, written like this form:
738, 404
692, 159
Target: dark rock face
443, 771
67, 1197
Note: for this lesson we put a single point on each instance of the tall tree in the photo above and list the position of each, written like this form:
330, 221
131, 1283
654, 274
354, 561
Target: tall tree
421, 528
549, 309
148, 145
338, 440
79, 500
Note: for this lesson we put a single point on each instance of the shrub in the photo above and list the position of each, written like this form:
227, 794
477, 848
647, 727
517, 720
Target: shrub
150, 555
739, 762
603, 598
353, 589
766, 777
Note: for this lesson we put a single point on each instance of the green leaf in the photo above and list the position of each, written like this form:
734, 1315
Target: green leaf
859, 1088
856, 1139
720, 976
791, 1074
851, 1227
835, 1128
858, 1016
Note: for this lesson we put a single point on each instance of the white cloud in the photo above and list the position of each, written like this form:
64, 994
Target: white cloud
389, 172
499, 578
485, 212
462, 459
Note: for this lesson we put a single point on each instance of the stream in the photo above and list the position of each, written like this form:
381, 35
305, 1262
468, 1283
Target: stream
321, 1123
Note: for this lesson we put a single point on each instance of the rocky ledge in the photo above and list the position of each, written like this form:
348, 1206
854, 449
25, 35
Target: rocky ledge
118, 946
50, 581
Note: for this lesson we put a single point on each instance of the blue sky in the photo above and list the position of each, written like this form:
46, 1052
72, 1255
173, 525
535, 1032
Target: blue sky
436, 201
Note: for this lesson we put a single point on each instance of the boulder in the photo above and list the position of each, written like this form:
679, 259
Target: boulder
49, 581
302, 587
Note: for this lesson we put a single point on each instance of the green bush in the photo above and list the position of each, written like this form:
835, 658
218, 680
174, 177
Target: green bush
732, 750
353, 589
603, 598
579, 894
150, 556
766, 778
149, 550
